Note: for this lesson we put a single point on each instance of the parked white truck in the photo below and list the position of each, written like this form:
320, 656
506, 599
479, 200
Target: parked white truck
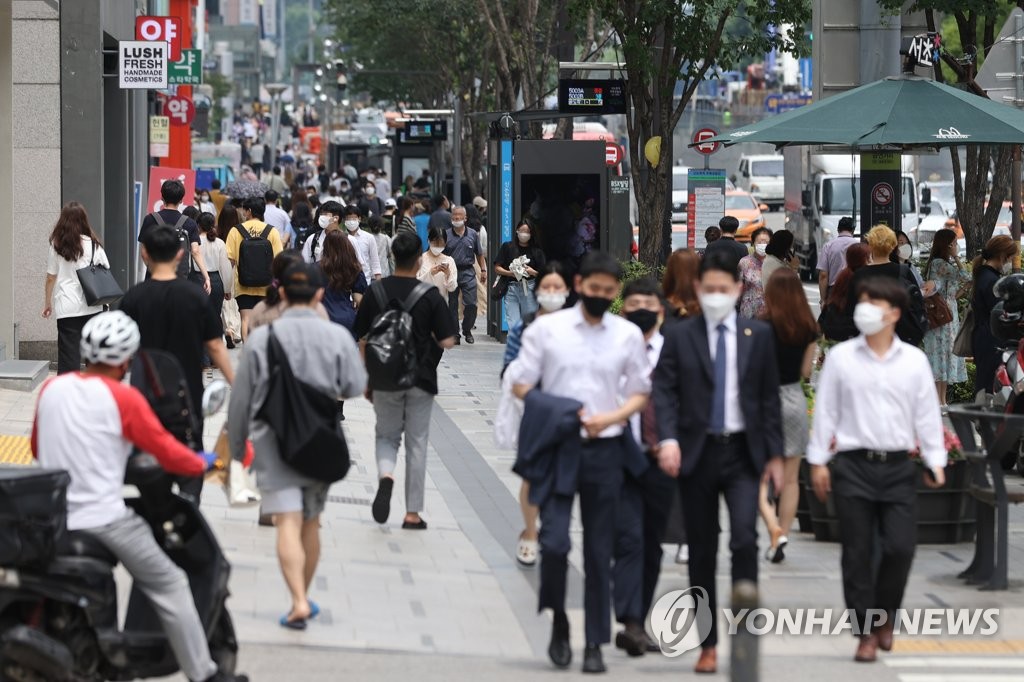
821, 189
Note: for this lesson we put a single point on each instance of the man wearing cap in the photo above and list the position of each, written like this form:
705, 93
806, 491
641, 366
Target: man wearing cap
833, 256
364, 244
481, 205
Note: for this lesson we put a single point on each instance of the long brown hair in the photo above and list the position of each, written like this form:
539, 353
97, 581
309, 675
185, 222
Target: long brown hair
787, 310
678, 285
227, 219
944, 238
340, 263
996, 247
856, 258
72, 225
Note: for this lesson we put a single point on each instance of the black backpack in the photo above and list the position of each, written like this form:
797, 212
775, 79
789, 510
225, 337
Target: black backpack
392, 362
255, 258
160, 378
185, 264
302, 233
914, 323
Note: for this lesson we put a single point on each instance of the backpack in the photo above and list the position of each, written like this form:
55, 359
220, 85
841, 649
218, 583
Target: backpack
914, 322
302, 233
185, 264
391, 358
255, 258
159, 377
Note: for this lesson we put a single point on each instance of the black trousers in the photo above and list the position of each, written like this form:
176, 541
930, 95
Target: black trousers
723, 469
466, 280
600, 485
69, 338
644, 510
875, 499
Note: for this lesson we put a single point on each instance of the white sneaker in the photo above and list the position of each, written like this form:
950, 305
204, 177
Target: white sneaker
683, 554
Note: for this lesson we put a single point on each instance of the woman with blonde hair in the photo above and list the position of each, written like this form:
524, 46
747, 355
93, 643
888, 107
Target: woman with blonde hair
73, 245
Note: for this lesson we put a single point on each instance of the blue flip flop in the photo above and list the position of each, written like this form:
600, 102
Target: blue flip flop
314, 609
299, 624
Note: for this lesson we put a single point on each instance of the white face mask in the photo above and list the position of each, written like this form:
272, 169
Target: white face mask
369, 191
1008, 267
458, 224
324, 221
551, 301
351, 225
868, 318
437, 250
906, 251
716, 307
760, 249
524, 236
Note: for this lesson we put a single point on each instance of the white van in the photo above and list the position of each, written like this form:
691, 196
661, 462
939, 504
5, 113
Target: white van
762, 175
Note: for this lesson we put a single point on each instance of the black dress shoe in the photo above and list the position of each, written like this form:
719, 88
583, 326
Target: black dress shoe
229, 342
632, 640
593, 662
559, 650
469, 338
382, 502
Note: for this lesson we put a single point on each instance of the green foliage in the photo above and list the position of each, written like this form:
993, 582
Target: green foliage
221, 88
963, 392
632, 270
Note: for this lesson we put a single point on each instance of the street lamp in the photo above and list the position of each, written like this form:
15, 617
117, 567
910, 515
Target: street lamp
275, 90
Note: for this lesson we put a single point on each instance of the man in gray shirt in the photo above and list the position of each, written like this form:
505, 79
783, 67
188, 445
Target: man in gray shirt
463, 245
833, 256
329, 362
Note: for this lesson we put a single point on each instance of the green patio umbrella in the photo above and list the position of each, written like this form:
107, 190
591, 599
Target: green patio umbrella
892, 113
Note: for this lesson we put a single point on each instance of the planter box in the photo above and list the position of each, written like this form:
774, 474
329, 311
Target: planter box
944, 516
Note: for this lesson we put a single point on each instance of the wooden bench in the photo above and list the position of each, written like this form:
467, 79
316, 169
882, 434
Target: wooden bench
992, 493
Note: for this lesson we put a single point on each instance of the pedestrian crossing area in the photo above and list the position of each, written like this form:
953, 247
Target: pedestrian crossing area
956, 668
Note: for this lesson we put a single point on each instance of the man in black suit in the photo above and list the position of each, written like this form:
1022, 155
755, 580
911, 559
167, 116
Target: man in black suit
716, 399
727, 243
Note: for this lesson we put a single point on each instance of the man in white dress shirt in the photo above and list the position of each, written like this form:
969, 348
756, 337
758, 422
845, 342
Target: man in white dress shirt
276, 216
364, 244
588, 355
876, 398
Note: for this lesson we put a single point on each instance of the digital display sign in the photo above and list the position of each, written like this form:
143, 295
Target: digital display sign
577, 96
423, 132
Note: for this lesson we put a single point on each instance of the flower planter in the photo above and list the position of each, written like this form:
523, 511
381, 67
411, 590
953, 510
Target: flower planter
944, 515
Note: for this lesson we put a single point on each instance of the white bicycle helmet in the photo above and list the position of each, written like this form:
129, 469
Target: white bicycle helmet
110, 338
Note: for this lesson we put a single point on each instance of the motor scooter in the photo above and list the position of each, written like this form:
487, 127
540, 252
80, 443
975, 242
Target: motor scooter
59, 619
1008, 386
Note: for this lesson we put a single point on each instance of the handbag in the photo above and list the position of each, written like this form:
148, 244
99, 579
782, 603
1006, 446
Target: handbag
499, 288
98, 283
963, 347
304, 419
936, 309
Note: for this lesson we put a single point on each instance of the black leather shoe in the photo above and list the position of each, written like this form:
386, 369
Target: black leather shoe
382, 502
469, 338
559, 650
593, 662
632, 640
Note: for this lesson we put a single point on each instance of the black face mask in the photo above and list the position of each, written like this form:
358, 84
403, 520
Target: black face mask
645, 319
596, 306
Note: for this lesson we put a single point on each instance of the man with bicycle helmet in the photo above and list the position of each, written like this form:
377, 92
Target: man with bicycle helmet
86, 423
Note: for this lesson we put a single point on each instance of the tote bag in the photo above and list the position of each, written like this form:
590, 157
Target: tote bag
98, 283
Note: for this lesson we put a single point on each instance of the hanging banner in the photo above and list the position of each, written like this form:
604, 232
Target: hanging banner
159, 136
158, 175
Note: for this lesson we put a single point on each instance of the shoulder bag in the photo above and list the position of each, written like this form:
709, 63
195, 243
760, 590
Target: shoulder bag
98, 283
963, 346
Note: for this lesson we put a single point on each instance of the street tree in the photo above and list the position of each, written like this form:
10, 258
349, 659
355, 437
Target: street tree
669, 47
968, 33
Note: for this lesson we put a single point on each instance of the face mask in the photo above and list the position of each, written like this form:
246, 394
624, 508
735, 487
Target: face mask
551, 301
437, 250
868, 318
595, 306
369, 191
645, 319
1007, 267
351, 225
906, 251
458, 223
324, 221
524, 236
716, 307
205, 199
761, 249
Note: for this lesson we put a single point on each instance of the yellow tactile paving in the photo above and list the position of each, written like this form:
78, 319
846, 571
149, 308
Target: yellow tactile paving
958, 646
15, 450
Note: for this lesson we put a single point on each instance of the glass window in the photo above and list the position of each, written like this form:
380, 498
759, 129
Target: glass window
766, 167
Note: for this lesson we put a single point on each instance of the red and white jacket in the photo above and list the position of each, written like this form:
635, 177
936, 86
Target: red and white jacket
87, 426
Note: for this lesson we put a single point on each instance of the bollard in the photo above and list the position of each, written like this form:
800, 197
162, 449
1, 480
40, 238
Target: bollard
743, 649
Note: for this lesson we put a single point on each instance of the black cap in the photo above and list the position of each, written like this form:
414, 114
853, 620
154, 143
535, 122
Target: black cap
301, 281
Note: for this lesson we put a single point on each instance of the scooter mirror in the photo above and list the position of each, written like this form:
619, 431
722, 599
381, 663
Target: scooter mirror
214, 396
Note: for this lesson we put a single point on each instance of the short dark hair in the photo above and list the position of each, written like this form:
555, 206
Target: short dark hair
301, 281
435, 233
645, 286
161, 244
271, 196
352, 209
780, 244
332, 207
888, 289
276, 170
190, 212
600, 263
406, 248
720, 261
712, 234
172, 192
256, 206
215, 184
729, 224
437, 201
846, 224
